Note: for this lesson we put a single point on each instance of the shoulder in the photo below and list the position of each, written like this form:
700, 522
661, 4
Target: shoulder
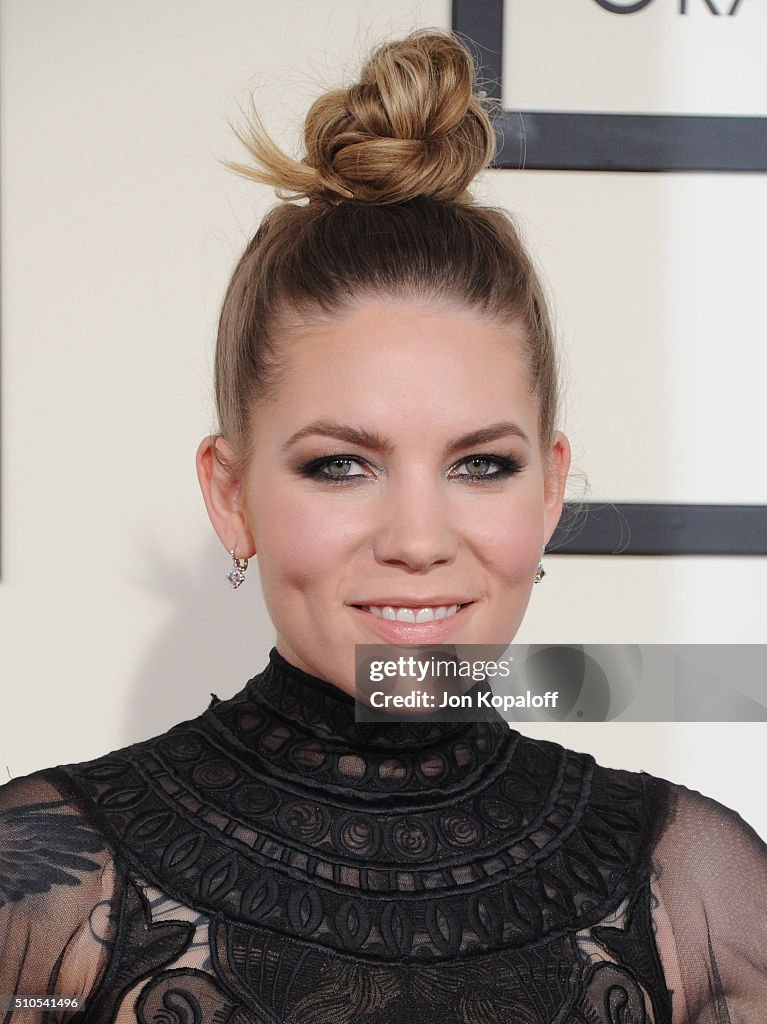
46, 838
57, 884
708, 877
626, 802
708, 849
678, 817
593, 821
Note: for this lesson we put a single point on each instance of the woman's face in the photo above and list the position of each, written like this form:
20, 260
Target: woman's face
397, 471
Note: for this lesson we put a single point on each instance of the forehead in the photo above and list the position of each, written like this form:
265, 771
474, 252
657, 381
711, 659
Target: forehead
390, 359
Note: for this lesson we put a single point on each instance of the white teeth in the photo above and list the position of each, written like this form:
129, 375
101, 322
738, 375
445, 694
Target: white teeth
412, 614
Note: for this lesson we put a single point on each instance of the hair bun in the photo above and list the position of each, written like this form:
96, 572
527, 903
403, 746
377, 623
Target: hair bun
411, 126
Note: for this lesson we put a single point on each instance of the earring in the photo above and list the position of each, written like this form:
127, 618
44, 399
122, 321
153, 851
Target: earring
540, 572
237, 575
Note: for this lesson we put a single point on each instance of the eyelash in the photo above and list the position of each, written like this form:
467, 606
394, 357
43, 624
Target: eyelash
507, 466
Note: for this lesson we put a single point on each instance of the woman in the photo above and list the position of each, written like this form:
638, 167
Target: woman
387, 449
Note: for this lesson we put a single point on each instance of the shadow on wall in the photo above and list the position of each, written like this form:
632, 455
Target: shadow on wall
214, 641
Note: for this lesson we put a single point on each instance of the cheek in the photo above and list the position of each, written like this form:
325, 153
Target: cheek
508, 537
301, 542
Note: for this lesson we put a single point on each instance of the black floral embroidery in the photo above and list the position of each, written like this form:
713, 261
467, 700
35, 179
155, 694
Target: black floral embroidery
186, 996
143, 948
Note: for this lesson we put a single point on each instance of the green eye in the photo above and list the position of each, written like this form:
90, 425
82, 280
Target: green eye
335, 469
338, 468
478, 467
489, 467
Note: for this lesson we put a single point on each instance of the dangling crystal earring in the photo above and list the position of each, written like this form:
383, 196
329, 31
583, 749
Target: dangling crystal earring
540, 572
237, 575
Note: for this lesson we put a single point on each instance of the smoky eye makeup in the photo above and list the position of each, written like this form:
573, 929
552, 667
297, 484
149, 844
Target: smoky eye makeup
486, 466
336, 468
478, 468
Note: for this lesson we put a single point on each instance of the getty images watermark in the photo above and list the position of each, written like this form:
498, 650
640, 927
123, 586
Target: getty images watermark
425, 670
562, 682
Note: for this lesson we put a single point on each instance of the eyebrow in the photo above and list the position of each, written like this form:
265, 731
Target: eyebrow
375, 442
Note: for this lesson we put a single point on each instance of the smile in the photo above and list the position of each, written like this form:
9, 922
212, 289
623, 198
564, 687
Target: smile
413, 614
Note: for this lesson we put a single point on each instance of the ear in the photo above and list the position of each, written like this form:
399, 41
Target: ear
223, 494
557, 465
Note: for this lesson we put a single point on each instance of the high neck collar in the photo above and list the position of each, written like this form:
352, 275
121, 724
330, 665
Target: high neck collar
317, 707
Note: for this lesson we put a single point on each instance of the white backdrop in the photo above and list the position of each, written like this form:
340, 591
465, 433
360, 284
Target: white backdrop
119, 230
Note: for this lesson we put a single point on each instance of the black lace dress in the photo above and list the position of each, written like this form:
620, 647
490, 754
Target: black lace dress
273, 861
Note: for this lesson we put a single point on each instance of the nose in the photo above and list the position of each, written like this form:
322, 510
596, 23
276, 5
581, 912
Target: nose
414, 528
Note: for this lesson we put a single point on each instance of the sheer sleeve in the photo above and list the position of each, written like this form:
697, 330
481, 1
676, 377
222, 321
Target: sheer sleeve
711, 912
57, 884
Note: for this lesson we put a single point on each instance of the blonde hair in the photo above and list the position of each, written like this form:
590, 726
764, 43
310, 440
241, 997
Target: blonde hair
386, 172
